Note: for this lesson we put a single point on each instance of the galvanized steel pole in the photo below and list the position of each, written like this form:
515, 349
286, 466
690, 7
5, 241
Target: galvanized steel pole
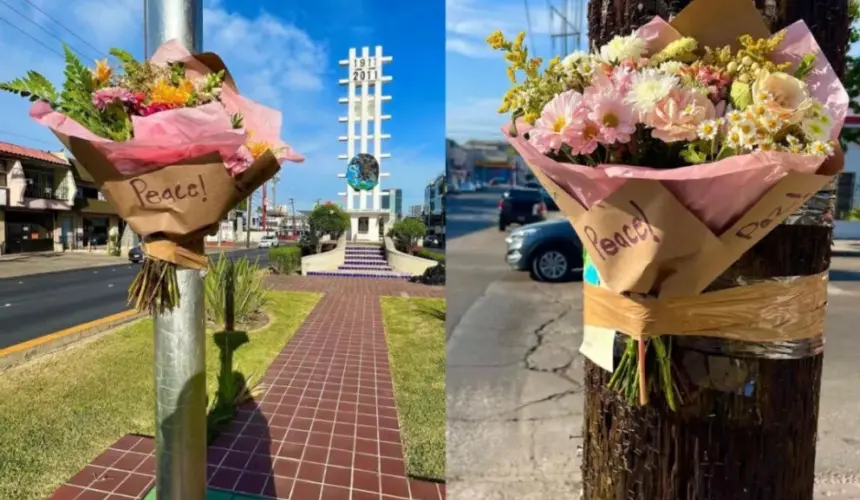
180, 348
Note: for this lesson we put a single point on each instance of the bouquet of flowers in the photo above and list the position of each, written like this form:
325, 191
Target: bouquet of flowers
671, 157
171, 143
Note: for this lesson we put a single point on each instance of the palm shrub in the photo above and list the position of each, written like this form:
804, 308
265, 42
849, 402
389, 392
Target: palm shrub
248, 290
285, 260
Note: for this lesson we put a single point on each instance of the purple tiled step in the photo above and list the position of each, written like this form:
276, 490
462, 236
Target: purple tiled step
360, 274
359, 267
364, 260
359, 252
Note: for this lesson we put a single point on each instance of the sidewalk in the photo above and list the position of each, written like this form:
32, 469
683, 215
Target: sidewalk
846, 248
26, 264
326, 427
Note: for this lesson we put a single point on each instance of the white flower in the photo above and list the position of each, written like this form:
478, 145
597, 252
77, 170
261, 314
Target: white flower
820, 148
574, 58
767, 145
748, 141
707, 130
770, 123
671, 67
734, 116
734, 138
621, 48
746, 127
648, 87
815, 130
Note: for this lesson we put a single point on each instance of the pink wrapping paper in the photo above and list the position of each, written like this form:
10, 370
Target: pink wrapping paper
720, 192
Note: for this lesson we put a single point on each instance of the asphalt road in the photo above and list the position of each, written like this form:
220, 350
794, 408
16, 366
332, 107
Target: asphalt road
40, 304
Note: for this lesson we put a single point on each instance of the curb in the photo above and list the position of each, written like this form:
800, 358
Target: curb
25, 351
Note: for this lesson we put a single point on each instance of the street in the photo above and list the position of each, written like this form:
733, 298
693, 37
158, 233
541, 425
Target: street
35, 305
514, 373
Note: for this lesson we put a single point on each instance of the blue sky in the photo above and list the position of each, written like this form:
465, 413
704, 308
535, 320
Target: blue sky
282, 54
476, 79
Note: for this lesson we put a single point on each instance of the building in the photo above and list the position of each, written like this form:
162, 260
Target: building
434, 199
845, 183
416, 210
392, 200
456, 163
36, 189
92, 216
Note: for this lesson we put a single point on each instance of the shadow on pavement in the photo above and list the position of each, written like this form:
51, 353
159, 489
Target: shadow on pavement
841, 275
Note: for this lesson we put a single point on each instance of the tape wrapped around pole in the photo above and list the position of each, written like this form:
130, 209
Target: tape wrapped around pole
763, 312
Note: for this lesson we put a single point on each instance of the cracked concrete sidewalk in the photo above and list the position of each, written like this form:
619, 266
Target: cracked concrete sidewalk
513, 378
515, 400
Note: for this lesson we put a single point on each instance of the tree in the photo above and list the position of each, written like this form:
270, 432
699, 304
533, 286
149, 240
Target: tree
852, 75
718, 445
324, 219
407, 232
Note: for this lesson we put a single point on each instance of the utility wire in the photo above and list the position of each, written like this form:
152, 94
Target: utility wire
31, 37
22, 136
13, 9
529, 23
70, 31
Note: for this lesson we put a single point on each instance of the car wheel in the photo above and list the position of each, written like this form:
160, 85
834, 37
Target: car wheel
551, 264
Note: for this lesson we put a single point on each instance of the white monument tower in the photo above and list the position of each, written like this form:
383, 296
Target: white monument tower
364, 105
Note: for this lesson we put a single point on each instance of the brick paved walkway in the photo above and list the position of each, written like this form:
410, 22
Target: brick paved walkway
325, 429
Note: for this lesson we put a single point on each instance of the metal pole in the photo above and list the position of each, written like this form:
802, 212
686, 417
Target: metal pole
180, 348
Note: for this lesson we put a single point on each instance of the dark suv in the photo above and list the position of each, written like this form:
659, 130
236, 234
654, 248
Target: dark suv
521, 205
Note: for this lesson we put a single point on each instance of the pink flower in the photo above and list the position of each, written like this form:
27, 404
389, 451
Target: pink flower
676, 116
584, 136
613, 116
552, 129
151, 109
101, 98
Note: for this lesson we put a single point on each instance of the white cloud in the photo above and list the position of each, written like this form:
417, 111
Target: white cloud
468, 48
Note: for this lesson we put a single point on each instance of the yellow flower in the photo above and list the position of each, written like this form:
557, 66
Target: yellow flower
496, 40
165, 93
257, 148
103, 71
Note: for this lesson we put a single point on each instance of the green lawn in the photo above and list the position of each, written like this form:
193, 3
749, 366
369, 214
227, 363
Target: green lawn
415, 331
58, 413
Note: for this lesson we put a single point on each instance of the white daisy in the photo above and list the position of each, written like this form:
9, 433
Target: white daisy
734, 116
707, 130
820, 148
734, 138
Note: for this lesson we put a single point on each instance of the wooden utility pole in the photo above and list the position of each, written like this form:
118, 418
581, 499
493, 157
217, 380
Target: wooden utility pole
756, 442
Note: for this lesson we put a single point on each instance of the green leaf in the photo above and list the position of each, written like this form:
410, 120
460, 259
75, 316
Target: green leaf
692, 155
805, 66
740, 95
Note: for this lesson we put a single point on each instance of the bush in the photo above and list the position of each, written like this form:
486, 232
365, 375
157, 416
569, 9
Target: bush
432, 255
248, 291
432, 276
285, 260
407, 232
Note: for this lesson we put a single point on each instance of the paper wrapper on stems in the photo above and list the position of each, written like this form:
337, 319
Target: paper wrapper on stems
183, 171
659, 237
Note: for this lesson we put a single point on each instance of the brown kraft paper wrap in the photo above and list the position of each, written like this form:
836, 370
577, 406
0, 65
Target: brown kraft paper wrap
175, 206
642, 240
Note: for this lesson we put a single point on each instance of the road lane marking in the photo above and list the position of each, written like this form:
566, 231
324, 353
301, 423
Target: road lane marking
29, 344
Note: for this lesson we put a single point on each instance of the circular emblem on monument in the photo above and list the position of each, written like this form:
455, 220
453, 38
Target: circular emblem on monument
362, 172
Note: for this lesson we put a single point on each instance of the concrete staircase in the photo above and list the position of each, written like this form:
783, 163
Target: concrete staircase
363, 260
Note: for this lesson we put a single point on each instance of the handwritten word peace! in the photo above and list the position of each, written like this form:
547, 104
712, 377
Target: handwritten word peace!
636, 231
148, 196
786, 208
